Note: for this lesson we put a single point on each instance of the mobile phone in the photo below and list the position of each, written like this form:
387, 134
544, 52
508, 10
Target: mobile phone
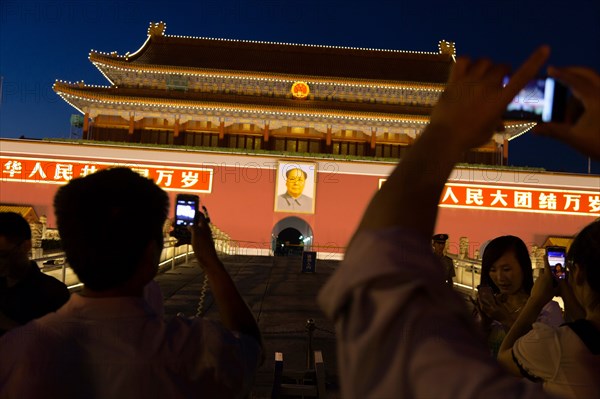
486, 293
556, 260
542, 99
186, 208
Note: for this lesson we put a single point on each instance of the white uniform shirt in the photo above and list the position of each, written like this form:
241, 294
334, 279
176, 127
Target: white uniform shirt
402, 332
120, 348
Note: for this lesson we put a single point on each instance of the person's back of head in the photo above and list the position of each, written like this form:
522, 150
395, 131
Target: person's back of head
15, 244
497, 248
106, 221
585, 254
14, 227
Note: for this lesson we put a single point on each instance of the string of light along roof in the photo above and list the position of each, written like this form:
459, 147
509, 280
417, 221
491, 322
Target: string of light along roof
164, 24
252, 111
304, 45
400, 86
66, 97
164, 28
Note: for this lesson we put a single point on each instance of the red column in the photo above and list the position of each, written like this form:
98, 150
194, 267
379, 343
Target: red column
373, 139
221, 130
131, 124
86, 125
176, 128
266, 133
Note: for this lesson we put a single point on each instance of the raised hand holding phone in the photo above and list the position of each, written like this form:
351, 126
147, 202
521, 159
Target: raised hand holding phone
557, 262
186, 215
583, 134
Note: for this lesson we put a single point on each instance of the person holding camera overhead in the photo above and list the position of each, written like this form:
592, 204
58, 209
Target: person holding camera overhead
107, 341
401, 332
566, 359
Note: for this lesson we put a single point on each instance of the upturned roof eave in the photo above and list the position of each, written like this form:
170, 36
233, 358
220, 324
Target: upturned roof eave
87, 95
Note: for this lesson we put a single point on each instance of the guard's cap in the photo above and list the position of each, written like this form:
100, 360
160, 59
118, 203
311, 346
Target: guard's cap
440, 238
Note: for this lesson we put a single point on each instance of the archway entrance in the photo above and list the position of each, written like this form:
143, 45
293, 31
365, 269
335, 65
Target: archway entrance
290, 236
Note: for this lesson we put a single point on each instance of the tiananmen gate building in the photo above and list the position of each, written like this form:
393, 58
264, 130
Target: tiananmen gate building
234, 121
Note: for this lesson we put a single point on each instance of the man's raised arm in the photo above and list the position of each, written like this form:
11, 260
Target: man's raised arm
468, 112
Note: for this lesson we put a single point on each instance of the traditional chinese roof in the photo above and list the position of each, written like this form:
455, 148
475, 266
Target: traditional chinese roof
192, 99
196, 54
187, 76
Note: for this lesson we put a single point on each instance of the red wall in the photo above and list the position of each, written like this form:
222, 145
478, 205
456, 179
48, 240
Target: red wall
242, 198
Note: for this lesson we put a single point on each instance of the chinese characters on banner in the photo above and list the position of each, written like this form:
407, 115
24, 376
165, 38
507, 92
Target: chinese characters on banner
519, 199
60, 171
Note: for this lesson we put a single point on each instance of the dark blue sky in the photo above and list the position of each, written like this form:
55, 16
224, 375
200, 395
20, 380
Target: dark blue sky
41, 41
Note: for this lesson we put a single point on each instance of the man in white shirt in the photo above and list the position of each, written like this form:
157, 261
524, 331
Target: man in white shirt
108, 341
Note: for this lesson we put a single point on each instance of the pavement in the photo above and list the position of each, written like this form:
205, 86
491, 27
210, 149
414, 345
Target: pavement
282, 299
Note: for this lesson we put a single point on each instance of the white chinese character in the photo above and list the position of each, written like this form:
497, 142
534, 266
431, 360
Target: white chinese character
574, 199
13, 168
38, 169
522, 199
188, 179
474, 196
450, 194
499, 197
547, 201
88, 170
168, 174
594, 203
63, 171
142, 172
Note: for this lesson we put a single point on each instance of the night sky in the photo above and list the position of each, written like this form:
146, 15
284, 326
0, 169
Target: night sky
41, 41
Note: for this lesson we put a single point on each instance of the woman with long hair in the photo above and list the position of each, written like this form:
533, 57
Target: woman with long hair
506, 270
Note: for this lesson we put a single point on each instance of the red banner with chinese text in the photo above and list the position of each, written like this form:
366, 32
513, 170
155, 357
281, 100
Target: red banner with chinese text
521, 199
61, 171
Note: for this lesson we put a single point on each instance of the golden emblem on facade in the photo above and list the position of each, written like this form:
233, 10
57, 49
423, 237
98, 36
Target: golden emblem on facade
300, 90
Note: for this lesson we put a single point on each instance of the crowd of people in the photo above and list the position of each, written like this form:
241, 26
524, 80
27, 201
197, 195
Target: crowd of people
402, 332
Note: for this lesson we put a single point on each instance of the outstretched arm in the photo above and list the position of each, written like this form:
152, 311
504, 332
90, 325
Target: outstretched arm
468, 112
234, 312
542, 292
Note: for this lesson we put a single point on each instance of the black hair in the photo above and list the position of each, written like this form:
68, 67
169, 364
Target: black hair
14, 227
585, 252
287, 173
499, 246
105, 221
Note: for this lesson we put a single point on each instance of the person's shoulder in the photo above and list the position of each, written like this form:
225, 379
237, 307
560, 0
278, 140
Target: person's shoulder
448, 259
544, 331
35, 333
50, 283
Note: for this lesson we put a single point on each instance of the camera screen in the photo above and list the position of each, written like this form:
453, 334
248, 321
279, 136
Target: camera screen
534, 101
185, 213
556, 260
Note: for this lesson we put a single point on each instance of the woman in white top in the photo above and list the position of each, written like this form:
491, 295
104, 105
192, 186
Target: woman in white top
566, 358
